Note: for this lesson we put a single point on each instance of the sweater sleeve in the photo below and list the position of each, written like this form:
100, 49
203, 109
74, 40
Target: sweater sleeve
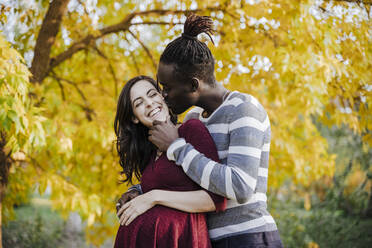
237, 178
196, 134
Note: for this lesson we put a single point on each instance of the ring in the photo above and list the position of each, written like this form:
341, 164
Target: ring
118, 204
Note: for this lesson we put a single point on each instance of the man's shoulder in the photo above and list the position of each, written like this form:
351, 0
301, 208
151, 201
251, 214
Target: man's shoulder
247, 105
245, 99
193, 113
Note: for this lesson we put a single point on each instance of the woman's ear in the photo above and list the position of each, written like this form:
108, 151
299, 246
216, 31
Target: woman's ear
194, 84
135, 120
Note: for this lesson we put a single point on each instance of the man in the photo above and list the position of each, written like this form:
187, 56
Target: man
240, 128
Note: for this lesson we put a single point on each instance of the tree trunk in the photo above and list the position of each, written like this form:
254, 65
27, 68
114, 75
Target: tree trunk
1, 212
5, 164
369, 206
46, 38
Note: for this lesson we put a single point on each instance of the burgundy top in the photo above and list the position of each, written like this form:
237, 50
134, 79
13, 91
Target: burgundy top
165, 227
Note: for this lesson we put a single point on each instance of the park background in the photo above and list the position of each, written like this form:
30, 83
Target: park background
64, 62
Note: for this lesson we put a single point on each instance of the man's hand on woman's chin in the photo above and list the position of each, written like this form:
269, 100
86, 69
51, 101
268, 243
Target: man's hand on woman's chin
162, 134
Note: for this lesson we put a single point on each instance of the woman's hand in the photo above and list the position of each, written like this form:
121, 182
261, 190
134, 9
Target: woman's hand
135, 207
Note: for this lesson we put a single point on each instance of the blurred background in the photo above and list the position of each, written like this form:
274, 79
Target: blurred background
64, 62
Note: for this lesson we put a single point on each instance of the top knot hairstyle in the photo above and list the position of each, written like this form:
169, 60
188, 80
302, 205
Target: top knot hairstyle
196, 25
191, 57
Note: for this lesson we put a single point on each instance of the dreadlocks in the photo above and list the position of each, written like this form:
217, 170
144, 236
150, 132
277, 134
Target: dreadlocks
191, 57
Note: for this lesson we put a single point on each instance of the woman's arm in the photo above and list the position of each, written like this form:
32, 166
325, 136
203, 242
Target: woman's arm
188, 201
198, 201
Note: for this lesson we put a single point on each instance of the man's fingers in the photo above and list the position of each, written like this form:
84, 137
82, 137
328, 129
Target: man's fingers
151, 138
118, 206
156, 122
120, 203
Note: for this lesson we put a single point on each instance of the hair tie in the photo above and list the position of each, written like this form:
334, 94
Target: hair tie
189, 37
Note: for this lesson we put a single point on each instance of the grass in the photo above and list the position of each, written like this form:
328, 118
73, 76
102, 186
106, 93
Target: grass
323, 227
37, 225
34, 226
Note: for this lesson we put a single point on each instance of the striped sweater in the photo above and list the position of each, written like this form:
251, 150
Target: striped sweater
240, 128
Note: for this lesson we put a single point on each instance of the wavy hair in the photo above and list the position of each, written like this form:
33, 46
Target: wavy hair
132, 144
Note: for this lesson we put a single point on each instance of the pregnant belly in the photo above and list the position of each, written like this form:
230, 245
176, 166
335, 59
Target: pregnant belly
162, 225
159, 220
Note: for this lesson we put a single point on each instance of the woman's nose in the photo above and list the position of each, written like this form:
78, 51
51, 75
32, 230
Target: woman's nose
149, 102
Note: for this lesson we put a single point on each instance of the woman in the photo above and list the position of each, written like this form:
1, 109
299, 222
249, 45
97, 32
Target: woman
169, 210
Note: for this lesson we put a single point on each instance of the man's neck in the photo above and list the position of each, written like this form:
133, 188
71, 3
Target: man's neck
211, 98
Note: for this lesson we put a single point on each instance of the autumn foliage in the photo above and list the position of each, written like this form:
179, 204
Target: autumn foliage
305, 61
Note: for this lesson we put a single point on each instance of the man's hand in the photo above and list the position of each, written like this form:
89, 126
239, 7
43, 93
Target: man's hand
137, 206
162, 134
126, 197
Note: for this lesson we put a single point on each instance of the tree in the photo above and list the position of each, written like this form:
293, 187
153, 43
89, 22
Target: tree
299, 58
21, 128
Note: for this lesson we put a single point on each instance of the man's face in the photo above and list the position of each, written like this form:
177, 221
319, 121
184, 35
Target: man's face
178, 95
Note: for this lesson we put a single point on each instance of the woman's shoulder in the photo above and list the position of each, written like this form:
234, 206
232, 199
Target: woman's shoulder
192, 125
192, 130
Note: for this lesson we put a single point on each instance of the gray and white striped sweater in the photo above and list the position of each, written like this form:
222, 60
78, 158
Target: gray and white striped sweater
240, 129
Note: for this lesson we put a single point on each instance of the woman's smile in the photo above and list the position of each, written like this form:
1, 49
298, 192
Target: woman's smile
147, 103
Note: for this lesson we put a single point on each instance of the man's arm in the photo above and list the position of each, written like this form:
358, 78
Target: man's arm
131, 193
237, 179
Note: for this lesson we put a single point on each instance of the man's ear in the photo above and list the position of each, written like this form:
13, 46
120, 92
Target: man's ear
194, 84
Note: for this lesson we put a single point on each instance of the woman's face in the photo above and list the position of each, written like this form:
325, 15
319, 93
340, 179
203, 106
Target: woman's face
147, 103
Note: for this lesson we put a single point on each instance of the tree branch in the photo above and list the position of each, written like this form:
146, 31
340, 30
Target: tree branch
146, 49
366, 2
84, 6
133, 57
46, 38
119, 27
116, 81
41, 168
88, 111
158, 23
62, 89
73, 84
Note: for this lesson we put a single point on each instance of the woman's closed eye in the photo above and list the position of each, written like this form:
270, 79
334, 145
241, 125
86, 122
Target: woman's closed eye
153, 94
138, 103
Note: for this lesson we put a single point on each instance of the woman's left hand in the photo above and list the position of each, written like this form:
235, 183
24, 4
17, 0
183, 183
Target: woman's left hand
135, 207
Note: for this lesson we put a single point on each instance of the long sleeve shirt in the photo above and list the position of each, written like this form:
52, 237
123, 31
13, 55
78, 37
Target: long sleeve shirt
240, 128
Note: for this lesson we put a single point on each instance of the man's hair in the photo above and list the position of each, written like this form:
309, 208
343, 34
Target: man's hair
191, 57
